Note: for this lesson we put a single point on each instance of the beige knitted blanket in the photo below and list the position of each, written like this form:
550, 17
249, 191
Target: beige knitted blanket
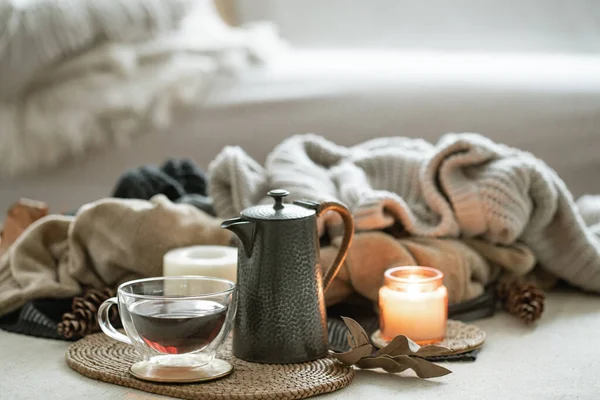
109, 242
465, 185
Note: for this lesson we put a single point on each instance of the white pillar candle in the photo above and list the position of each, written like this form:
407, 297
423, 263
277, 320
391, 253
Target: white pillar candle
413, 302
215, 261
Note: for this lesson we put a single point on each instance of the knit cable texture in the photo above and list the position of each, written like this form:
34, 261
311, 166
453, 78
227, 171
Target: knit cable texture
464, 186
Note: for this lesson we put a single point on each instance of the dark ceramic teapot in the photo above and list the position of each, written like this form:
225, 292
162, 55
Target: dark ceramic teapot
281, 315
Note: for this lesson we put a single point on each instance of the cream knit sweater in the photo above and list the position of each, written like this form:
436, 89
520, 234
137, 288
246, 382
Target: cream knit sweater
465, 185
83, 75
35, 34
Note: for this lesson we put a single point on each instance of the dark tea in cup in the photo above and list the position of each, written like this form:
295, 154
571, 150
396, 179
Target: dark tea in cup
177, 327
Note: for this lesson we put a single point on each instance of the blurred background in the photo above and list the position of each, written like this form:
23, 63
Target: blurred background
159, 79
538, 26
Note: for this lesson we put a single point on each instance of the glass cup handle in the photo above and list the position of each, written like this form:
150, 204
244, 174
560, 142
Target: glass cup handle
104, 321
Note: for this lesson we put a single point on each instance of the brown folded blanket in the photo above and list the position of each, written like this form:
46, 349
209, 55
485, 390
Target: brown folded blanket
467, 265
108, 242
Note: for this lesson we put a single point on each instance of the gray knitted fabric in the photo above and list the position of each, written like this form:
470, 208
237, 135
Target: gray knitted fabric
465, 185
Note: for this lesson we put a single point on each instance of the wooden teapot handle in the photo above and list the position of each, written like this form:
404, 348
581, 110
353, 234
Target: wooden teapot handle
346, 241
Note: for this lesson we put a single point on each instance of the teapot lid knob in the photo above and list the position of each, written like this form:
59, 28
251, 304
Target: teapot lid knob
278, 211
278, 195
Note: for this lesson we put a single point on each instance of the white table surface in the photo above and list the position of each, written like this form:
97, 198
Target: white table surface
557, 359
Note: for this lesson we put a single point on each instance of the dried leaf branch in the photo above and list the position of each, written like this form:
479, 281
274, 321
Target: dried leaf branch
399, 355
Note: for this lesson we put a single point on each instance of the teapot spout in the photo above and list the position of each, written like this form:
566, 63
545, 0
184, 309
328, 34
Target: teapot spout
244, 230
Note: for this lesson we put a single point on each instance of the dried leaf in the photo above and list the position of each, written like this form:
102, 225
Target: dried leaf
384, 362
431, 351
397, 356
355, 355
357, 336
422, 367
400, 345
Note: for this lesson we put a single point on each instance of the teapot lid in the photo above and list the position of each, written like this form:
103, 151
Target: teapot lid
278, 211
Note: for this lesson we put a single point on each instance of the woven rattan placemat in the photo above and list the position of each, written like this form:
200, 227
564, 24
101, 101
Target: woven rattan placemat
100, 357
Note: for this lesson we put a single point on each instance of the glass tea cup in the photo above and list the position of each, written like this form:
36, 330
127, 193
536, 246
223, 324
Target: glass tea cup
175, 321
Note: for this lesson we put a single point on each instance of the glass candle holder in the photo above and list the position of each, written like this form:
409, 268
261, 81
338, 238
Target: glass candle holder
413, 302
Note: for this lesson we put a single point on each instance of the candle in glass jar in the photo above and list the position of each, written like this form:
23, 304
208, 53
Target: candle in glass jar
413, 302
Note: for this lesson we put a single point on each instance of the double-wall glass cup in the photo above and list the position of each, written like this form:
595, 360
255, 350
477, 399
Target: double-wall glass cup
173, 322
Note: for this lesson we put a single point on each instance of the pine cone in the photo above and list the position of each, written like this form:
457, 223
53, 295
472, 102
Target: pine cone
97, 296
72, 327
524, 300
83, 318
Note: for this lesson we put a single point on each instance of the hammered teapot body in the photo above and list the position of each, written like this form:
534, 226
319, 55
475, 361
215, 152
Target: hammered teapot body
281, 315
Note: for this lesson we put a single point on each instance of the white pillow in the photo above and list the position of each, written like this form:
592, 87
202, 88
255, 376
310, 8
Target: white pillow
35, 34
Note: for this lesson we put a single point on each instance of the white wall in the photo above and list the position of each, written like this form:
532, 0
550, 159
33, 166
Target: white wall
494, 25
